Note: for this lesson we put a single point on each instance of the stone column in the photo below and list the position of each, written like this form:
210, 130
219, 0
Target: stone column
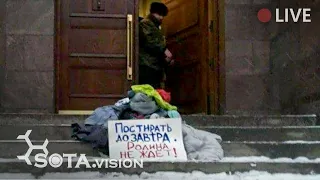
29, 85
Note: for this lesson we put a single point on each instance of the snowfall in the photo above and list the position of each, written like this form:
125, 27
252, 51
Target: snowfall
252, 175
196, 175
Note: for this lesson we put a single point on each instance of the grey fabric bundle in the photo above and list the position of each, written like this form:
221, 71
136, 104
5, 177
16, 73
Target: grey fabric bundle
143, 104
201, 145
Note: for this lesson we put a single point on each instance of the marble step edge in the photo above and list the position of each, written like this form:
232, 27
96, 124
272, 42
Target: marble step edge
223, 142
245, 159
151, 167
197, 126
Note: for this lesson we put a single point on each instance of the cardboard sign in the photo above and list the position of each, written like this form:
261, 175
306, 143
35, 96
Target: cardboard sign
146, 139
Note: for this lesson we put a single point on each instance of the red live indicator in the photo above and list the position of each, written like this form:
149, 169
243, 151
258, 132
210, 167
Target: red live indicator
264, 15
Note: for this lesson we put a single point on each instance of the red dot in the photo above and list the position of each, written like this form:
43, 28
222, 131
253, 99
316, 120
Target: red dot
264, 15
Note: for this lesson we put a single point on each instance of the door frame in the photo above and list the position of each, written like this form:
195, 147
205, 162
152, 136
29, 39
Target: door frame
57, 52
216, 61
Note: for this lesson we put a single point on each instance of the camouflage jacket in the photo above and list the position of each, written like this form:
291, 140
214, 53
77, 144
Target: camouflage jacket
152, 44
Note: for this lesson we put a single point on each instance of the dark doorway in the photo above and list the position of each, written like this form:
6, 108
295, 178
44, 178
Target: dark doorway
195, 35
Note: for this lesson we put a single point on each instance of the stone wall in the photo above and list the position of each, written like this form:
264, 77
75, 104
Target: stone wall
271, 67
247, 58
2, 47
295, 58
29, 38
309, 84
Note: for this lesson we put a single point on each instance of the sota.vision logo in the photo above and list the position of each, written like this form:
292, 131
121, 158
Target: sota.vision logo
41, 160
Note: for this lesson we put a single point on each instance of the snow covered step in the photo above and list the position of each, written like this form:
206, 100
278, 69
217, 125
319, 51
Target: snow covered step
194, 120
290, 149
256, 175
16, 166
63, 132
285, 133
257, 120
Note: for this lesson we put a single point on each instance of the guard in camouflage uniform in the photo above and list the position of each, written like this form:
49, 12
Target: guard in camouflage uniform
153, 53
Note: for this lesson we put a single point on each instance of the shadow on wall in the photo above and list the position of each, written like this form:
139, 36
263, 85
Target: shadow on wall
271, 68
295, 55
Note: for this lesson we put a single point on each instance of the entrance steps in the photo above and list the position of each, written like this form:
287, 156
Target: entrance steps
193, 120
276, 144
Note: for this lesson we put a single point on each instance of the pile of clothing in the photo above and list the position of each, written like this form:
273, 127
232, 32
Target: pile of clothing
145, 102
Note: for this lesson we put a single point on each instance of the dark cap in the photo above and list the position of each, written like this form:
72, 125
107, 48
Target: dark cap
159, 8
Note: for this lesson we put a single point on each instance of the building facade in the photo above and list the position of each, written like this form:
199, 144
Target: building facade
269, 68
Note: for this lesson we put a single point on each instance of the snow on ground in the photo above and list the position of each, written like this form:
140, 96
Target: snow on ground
252, 175
267, 159
275, 142
244, 159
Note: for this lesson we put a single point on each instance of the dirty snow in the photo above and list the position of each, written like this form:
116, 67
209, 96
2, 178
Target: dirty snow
274, 142
252, 175
268, 160
244, 159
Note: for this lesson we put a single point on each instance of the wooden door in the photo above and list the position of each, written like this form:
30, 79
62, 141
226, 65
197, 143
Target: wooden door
96, 52
187, 32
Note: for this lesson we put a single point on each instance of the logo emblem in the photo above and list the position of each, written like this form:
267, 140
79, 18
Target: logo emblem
32, 147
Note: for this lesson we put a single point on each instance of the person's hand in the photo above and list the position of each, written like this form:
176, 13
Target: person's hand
164, 78
169, 61
168, 54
